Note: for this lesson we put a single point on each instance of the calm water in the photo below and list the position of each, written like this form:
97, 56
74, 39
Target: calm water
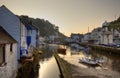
111, 62
49, 68
48, 64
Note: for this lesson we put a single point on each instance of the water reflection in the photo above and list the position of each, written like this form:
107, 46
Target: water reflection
111, 62
49, 69
48, 64
48, 52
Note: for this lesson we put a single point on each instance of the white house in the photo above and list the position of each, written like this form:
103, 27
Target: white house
96, 35
11, 23
103, 35
116, 37
8, 55
23, 45
76, 37
107, 35
23, 33
32, 33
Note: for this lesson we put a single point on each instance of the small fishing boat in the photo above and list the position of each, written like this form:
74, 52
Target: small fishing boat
61, 50
100, 60
88, 61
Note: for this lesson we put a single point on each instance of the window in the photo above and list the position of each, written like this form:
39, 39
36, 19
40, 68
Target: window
11, 47
2, 54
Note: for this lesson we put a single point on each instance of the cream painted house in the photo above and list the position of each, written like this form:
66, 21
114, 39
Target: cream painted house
107, 35
116, 37
8, 55
23, 35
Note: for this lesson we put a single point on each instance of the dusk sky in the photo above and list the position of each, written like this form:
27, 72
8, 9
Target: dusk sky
72, 16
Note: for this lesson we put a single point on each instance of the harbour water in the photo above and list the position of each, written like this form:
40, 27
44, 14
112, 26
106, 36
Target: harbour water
110, 68
49, 68
48, 65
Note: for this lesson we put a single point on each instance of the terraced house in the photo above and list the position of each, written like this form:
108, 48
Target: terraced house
8, 55
22, 34
11, 23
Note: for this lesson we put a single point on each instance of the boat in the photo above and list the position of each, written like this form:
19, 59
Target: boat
61, 51
91, 61
100, 60
88, 61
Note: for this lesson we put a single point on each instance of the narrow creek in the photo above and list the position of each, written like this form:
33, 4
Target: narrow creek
110, 68
48, 65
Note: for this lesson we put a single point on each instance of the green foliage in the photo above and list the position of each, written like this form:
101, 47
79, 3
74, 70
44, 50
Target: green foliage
46, 28
115, 25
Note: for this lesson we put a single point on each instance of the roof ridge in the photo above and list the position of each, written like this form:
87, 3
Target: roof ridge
7, 34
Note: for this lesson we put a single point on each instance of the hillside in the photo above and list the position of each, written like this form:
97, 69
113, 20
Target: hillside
46, 28
115, 24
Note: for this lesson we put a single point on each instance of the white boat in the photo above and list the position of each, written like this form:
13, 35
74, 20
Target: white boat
88, 61
91, 61
100, 60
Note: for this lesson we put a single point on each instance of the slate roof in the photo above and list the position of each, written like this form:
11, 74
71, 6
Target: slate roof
10, 22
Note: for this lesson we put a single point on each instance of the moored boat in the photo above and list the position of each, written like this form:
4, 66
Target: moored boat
61, 50
88, 61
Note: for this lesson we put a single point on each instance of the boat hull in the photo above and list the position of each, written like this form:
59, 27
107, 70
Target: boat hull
88, 61
61, 51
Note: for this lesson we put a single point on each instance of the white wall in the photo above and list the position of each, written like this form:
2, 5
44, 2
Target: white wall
23, 36
10, 69
33, 38
11, 24
107, 39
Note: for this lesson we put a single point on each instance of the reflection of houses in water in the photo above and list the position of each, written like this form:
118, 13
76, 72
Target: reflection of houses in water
107, 62
70, 52
76, 47
110, 63
116, 65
